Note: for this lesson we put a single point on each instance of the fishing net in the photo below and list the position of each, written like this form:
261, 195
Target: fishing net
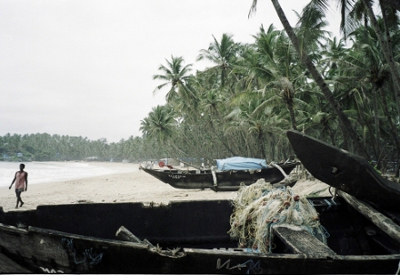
260, 206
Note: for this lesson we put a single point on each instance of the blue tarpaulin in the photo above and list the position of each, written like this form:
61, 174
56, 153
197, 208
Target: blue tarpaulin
240, 163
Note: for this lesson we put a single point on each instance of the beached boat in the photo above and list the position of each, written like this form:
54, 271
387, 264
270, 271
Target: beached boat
185, 237
345, 171
192, 237
228, 176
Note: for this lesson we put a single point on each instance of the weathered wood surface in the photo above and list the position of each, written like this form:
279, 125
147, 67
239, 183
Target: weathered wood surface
229, 262
126, 235
344, 171
20, 242
9, 266
98, 241
300, 241
54, 250
381, 221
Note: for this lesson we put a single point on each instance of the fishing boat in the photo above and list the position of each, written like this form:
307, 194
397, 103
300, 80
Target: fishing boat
227, 175
185, 237
362, 236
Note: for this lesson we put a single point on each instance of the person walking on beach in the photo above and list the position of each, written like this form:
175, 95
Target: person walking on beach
21, 183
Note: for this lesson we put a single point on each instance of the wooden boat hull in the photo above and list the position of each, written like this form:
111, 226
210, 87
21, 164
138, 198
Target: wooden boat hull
226, 180
344, 171
81, 239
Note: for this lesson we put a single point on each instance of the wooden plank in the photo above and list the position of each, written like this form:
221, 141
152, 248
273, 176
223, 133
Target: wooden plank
300, 241
20, 242
381, 221
126, 235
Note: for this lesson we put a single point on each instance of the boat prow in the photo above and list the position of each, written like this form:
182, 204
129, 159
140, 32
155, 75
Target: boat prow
345, 171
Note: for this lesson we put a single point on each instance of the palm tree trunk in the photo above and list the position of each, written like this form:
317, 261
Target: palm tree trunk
292, 116
245, 141
221, 138
331, 135
320, 81
387, 51
272, 146
377, 129
262, 145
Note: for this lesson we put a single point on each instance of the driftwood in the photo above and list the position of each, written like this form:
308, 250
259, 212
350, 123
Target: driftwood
380, 220
300, 241
126, 235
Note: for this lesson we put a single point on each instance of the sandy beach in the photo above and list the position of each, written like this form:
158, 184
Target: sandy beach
134, 186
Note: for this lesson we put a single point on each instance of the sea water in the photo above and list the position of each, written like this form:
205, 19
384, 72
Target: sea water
41, 172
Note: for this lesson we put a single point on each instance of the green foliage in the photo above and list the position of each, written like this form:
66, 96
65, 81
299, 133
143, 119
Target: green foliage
44, 147
248, 98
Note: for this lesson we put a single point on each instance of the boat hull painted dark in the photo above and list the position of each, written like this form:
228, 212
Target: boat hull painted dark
226, 180
345, 171
81, 239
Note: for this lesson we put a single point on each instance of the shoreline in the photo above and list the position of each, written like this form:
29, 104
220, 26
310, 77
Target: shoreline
134, 186
121, 186
58, 171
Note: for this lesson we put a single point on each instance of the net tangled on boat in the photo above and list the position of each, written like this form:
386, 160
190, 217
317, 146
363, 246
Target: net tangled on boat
259, 207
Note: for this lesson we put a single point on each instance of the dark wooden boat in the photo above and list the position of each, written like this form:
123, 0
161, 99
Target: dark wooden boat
345, 171
224, 180
185, 237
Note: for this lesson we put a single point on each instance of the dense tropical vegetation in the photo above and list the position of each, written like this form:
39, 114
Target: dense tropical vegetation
45, 147
297, 78
344, 91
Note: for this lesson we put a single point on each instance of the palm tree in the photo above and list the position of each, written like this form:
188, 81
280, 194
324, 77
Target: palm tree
211, 105
311, 33
175, 75
317, 77
223, 54
280, 69
159, 125
368, 68
363, 8
386, 45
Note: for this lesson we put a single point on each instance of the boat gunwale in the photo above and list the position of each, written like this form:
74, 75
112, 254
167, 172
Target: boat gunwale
209, 171
188, 250
234, 251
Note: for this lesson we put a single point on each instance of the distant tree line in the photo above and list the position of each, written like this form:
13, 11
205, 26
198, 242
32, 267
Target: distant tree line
46, 147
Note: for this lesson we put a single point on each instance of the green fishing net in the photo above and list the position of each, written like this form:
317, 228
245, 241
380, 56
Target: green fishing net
259, 207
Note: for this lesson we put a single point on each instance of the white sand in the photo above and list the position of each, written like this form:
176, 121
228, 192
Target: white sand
135, 186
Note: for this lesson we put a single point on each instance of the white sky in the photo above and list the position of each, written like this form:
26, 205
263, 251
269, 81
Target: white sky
85, 67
